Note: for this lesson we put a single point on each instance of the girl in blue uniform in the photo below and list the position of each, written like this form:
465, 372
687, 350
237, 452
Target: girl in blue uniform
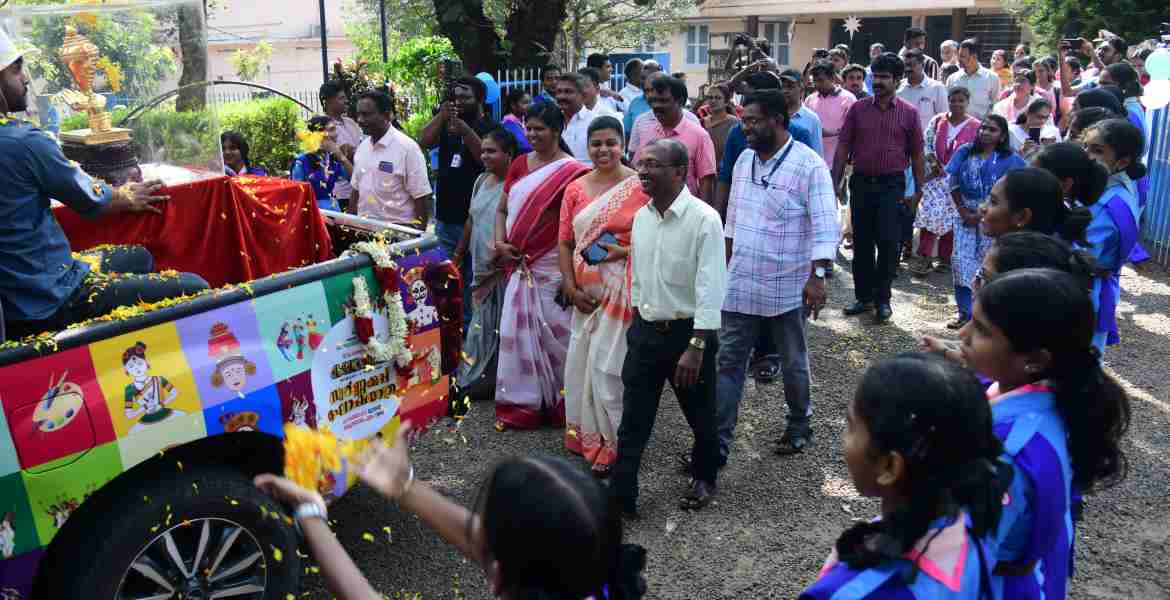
1060, 416
918, 436
1113, 234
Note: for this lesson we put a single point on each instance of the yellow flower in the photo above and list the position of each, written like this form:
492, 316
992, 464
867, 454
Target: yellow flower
310, 140
114, 76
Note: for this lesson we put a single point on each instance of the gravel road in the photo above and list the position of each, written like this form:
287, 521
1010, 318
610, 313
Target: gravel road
775, 518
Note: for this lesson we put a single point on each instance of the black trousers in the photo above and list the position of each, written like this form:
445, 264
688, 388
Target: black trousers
99, 293
651, 361
877, 233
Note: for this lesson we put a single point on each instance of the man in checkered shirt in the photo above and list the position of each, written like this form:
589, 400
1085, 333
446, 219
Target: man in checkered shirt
781, 235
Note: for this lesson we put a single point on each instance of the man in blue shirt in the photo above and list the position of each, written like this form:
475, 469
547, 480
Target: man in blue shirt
767, 358
548, 83
43, 287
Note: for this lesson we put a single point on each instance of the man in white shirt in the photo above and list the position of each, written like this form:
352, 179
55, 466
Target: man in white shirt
781, 237
949, 51
390, 180
591, 95
982, 82
924, 93
334, 102
571, 98
633, 87
609, 98
679, 282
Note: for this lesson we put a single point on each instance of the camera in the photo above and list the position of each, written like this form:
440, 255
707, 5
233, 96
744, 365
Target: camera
452, 71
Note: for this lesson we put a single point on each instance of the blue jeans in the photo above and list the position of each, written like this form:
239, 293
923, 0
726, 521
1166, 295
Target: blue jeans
449, 235
964, 297
736, 339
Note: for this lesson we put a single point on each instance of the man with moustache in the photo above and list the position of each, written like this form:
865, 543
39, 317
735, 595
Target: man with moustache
679, 281
883, 136
982, 82
799, 115
781, 237
390, 181
571, 100
668, 119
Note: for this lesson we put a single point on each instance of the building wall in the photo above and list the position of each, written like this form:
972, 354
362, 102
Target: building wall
293, 31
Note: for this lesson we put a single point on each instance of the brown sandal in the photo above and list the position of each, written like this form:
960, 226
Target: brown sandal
501, 426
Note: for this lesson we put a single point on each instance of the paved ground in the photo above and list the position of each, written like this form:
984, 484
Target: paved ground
776, 518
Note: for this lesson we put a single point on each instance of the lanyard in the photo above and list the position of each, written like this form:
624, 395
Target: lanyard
764, 180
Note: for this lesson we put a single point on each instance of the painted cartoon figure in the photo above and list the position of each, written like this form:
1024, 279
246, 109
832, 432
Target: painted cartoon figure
284, 342
299, 336
59, 406
315, 338
239, 421
60, 512
300, 412
231, 368
7, 536
423, 314
147, 395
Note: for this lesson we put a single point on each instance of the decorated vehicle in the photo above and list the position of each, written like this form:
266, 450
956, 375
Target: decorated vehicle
128, 443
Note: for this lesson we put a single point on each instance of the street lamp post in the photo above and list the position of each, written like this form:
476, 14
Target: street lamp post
324, 43
382, 20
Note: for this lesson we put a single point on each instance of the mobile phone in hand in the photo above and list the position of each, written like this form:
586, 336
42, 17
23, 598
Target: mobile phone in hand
596, 253
1034, 134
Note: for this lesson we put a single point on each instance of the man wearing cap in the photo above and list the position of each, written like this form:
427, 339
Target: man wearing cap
43, 286
792, 84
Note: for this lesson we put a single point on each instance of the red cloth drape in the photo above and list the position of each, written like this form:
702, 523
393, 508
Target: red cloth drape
227, 230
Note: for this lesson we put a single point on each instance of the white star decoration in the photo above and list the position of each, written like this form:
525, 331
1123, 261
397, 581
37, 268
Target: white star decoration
852, 25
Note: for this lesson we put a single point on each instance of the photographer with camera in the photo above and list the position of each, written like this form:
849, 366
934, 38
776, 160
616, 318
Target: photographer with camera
457, 130
748, 56
1111, 49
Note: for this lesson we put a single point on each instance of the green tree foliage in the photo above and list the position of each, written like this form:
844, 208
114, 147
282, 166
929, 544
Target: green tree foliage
608, 24
126, 38
1133, 20
249, 63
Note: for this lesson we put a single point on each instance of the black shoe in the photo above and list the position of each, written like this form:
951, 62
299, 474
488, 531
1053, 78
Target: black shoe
858, 308
790, 444
884, 312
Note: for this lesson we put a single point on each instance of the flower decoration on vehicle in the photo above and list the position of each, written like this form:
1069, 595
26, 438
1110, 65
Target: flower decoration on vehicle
313, 456
395, 348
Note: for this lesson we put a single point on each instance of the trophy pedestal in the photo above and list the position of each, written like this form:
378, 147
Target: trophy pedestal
89, 137
114, 162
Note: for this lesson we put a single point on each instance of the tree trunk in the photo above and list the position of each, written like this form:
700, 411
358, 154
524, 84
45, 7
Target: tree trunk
193, 45
531, 33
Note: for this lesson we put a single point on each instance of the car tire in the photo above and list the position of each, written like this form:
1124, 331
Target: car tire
211, 517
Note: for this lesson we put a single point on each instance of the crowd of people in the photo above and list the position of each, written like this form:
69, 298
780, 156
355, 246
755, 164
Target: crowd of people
617, 241
612, 242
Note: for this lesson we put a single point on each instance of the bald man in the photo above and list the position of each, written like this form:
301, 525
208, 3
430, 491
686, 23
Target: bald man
679, 282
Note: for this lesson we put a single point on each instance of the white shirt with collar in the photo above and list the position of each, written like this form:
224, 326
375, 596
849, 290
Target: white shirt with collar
630, 93
679, 262
348, 132
929, 97
984, 87
576, 134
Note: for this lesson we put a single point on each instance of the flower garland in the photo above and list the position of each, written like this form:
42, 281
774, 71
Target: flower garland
396, 348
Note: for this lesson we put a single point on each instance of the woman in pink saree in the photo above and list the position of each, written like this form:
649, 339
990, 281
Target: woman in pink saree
600, 203
534, 327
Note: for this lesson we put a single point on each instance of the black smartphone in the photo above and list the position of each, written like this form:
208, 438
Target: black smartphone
596, 253
1034, 134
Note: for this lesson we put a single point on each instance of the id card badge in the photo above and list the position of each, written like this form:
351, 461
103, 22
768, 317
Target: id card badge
386, 167
456, 160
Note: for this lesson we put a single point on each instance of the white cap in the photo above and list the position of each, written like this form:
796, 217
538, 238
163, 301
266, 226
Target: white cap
8, 51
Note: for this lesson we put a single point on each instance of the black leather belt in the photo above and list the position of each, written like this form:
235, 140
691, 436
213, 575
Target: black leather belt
665, 327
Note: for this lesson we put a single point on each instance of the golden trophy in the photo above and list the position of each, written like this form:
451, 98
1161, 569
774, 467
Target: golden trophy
80, 56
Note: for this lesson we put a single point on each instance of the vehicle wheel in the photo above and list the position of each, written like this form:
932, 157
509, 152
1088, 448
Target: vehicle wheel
204, 534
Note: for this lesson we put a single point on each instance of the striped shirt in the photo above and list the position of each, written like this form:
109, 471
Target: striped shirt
688, 131
780, 221
881, 142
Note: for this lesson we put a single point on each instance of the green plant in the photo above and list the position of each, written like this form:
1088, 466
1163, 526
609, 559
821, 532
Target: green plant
249, 63
415, 68
414, 125
192, 138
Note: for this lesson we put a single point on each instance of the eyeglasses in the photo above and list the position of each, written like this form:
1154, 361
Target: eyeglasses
653, 165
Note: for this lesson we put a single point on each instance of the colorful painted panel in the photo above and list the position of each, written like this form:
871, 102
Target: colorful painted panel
18, 533
145, 378
296, 400
292, 324
424, 387
16, 575
8, 460
161, 436
55, 407
56, 493
226, 353
339, 292
417, 297
258, 411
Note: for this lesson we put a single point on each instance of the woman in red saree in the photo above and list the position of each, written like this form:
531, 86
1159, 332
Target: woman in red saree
534, 328
601, 202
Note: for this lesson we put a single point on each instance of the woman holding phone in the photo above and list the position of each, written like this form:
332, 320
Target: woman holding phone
597, 216
1033, 129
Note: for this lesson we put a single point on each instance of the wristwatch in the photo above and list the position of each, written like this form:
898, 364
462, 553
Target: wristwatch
819, 272
698, 343
310, 510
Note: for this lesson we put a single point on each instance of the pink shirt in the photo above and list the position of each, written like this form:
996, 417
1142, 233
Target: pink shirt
700, 148
831, 109
389, 175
